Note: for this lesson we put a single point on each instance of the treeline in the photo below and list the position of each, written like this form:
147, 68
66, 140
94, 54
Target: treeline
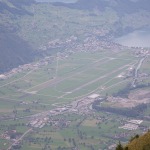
137, 143
129, 112
125, 91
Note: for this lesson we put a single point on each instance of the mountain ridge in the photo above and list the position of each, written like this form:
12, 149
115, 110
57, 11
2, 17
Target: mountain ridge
125, 6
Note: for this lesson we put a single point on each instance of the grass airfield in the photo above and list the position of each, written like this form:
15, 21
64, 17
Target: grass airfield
63, 81
67, 79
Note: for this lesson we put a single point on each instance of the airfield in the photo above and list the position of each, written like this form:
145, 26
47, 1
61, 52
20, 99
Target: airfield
49, 105
69, 78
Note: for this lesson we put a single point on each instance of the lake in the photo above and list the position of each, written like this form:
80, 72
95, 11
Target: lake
138, 38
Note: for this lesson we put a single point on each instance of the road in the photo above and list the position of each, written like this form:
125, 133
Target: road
139, 66
55, 81
18, 79
96, 80
137, 70
9, 148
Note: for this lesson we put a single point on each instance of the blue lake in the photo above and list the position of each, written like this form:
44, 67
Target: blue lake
138, 38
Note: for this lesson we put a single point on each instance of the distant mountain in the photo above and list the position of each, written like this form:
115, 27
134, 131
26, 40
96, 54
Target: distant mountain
15, 6
131, 6
83, 4
121, 6
14, 51
132, 14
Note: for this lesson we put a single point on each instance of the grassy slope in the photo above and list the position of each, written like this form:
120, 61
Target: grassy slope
141, 143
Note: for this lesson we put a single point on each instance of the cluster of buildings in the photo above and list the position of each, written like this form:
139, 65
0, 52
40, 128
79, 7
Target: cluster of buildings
81, 106
94, 44
131, 125
91, 43
57, 43
38, 123
122, 135
27, 67
142, 52
10, 135
57, 123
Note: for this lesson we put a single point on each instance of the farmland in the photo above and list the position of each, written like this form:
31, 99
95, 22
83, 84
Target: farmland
70, 78
66, 82
56, 96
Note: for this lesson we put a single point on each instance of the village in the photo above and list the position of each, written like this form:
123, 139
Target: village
81, 106
70, 46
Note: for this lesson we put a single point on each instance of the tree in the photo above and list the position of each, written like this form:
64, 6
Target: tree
126, 148
119, 146
135, 137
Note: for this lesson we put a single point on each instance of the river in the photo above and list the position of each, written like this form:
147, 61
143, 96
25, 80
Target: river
138, 38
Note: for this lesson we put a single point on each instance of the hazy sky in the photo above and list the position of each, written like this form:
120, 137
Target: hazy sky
68, 1
65, 1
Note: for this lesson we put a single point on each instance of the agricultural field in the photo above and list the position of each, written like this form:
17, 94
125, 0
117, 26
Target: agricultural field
67, 82
67, 79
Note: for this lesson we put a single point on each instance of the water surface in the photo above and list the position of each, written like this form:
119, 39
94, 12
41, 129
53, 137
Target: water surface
138, 38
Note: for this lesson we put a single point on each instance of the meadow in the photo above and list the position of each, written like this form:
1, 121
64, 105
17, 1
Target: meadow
63, 81
67, 79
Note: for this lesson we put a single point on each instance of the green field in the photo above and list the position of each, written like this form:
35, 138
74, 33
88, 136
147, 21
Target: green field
64, 81
67, 79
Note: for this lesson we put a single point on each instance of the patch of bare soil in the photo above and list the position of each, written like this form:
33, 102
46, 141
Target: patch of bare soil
135, 98
140, 94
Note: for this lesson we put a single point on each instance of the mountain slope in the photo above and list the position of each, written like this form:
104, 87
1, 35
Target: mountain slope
121, 6
137, 143
14, 51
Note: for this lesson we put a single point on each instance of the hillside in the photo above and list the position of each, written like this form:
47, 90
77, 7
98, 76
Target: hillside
14, 50
120, 6
131, 14
138, 143
37, 24
141, 143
